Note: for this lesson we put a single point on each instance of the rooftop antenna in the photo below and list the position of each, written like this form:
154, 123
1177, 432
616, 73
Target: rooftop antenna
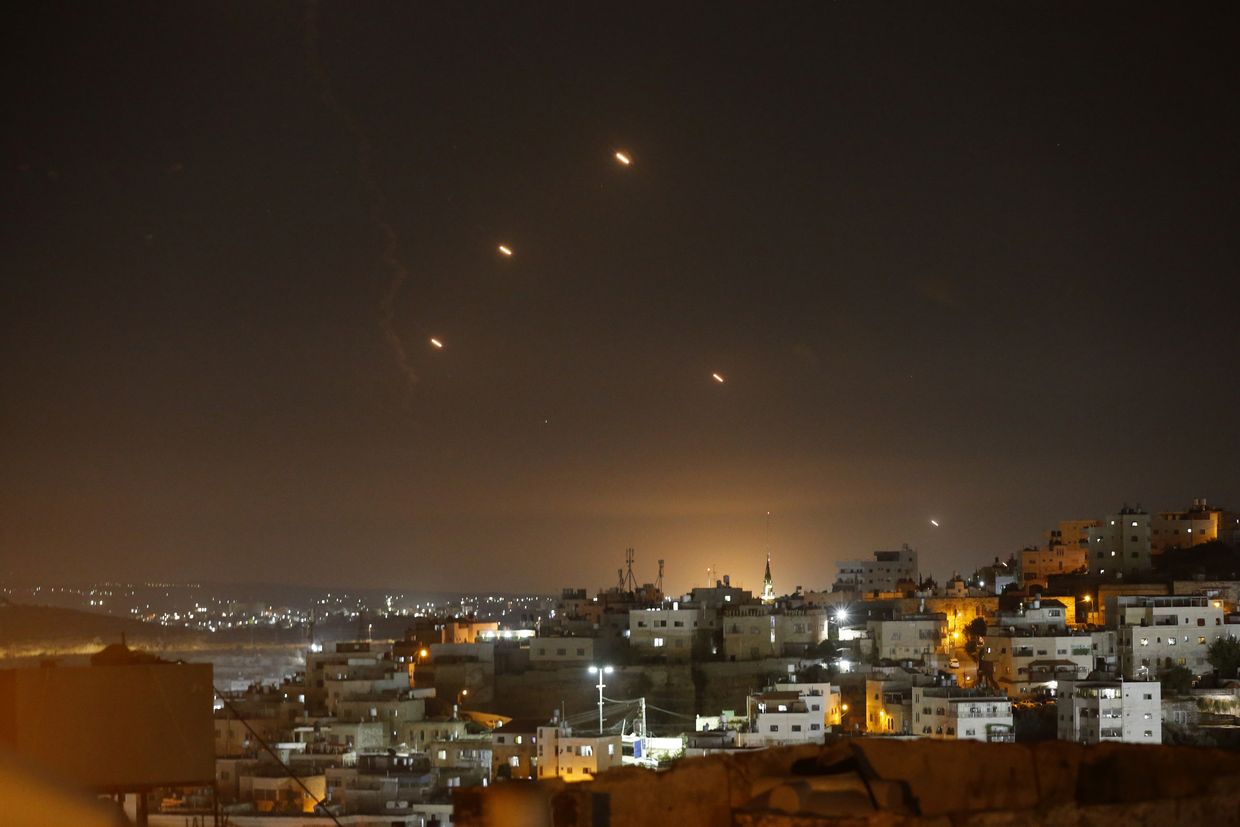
629, 581
658, 584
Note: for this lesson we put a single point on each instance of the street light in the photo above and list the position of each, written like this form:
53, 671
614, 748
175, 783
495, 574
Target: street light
600, 671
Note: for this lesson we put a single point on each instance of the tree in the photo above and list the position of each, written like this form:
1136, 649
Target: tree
1224, 656
1177, 680
974, 636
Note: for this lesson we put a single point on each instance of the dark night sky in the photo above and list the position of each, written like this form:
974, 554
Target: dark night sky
970, 262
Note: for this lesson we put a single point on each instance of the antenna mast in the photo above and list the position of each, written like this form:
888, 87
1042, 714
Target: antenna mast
628, 582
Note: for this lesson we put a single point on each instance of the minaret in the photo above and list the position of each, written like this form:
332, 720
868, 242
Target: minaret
768, 587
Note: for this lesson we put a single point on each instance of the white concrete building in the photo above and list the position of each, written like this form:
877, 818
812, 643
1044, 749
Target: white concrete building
666, 631
910, 637
881, 574
1157, 632
790, 714
1094, 711
575, 757
948, 712
1035, 613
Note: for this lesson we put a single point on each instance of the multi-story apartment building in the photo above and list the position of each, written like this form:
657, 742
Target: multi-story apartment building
749, 632
514, 749
884, 573
1121, 544
575, 757
949, 712
1158, 632
677, 632
1047, 615
909, 637
1037, 564
1028, 661
757, 630
791, 713
1093, 711
1071, 534
361, 660
1201, 523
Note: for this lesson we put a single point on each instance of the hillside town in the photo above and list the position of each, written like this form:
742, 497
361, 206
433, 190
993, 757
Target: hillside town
1117, 629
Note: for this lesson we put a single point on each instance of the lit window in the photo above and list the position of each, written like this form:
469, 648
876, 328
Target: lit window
658, 641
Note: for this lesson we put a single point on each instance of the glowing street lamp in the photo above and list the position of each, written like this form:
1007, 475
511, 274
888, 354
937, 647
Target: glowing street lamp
600, 671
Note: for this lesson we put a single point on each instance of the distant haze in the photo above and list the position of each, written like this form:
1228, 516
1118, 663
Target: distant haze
970, 263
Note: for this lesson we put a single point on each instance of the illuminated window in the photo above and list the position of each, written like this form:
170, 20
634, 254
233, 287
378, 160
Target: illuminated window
658, 642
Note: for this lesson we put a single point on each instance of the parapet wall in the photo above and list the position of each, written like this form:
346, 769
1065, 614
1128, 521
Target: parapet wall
876, 781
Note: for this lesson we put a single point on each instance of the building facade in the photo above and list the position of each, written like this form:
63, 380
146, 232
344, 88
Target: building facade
884, 573
948, 712
1121, 544
1090, 712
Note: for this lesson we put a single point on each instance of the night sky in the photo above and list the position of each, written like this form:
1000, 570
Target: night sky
969, 262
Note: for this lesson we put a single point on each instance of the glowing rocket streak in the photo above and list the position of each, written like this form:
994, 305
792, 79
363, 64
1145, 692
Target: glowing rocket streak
934, 523
624, 159
505, 250
437, 343
717, 378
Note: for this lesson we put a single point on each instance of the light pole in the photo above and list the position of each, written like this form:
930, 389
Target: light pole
600, 671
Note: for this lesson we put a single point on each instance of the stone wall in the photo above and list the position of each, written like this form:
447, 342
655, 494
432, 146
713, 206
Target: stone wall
678, 687
892, 783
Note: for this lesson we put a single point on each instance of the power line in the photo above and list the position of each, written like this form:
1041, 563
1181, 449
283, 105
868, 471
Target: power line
318, 802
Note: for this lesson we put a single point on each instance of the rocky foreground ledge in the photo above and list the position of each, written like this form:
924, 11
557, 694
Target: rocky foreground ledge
875, 781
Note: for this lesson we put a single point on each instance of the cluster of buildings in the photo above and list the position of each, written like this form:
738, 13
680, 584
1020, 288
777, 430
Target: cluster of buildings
1078, 635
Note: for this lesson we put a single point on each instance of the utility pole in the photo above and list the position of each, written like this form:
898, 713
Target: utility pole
600, 671
643, 735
